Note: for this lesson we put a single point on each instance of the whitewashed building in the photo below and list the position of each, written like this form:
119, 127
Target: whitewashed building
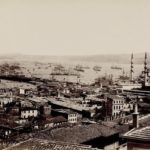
29, 112
71, 116
5, 100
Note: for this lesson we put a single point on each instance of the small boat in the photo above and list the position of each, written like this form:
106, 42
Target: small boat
59, 68
115, 67
60, 74
79, 68
63, 73
122, 77
97, 68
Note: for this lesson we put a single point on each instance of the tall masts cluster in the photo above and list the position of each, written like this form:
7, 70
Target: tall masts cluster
132, 67
145, 64
145, 69
146, 72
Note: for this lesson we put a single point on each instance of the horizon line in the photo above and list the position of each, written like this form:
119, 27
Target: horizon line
55, 55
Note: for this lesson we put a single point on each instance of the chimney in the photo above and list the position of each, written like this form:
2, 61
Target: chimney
136, 116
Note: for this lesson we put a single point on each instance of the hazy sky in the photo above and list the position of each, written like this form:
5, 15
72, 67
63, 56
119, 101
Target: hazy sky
73, 27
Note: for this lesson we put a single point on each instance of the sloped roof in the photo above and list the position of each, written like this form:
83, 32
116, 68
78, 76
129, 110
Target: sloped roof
142, 134
115, 97
39, 144
81, 133
57, 119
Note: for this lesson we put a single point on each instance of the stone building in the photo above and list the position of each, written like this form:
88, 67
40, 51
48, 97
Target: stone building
71, 116
114, 106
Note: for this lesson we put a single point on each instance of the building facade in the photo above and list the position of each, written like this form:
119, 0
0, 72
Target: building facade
5, 100
29, 112
71, 116
114, 106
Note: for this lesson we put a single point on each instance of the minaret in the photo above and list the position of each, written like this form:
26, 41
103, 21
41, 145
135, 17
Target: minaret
131, 71
136, 115
78, 79
123, 72
145, 70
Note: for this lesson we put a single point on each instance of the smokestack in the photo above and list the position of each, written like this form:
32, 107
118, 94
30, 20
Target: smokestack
136, 116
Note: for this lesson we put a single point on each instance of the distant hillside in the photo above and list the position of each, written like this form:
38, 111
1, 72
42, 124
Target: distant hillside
118, 58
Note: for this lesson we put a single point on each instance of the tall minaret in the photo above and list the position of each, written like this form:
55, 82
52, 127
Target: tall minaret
131, 71
145, 70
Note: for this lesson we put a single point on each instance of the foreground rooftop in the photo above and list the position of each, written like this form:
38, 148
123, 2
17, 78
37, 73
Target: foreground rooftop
39, 144
80, 133
142, 134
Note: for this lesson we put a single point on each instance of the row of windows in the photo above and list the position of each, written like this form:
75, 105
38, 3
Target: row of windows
72, 115
118, 107
47, 108
115, 114
29, 114
29, 111
5, 102
118, 102
73, 119
26, 116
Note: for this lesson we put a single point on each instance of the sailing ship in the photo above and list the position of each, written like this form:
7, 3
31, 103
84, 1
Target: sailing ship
79, 68
97, 68
116, 67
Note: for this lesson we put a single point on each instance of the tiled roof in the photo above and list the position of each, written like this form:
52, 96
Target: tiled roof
65, 111
79, 133
38, 144
115, 97
8, 122
142, 134
57, 119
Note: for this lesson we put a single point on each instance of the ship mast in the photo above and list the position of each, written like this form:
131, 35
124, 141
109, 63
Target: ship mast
145, 70
131, 71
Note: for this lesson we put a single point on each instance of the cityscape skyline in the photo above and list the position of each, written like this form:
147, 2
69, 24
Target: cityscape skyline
75, 75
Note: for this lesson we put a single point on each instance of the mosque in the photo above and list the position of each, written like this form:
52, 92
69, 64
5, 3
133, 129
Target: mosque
143, 81
145, 76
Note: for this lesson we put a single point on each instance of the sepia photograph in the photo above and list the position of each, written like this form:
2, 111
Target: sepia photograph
74, 75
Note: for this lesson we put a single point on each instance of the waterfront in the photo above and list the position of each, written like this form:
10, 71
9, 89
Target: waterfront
43, 70
89, 75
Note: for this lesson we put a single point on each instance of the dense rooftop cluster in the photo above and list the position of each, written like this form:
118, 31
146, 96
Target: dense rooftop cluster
37, 112
81, 133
